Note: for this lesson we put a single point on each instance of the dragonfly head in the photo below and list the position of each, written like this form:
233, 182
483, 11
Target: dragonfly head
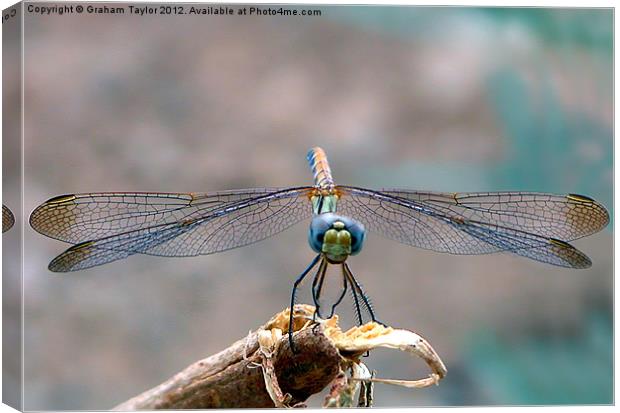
336, 236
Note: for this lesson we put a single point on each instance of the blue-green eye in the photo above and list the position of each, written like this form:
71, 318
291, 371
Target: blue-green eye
358, 234
319, 225
323, 222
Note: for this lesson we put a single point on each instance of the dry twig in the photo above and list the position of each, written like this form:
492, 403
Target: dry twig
260, 370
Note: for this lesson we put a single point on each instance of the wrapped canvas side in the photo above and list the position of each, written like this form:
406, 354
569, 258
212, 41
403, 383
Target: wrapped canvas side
12, 217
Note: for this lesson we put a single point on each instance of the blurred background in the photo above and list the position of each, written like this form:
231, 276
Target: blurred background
447, 99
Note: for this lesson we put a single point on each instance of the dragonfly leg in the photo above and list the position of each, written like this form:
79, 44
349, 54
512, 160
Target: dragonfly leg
358, 311
357, 287
344, 291
295, 285
317, 287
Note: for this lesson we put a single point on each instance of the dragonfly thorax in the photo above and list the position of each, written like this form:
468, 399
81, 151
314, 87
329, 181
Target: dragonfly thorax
336, 236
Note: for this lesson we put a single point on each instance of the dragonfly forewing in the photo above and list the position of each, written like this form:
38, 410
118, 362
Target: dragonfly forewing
77, 218
565, 217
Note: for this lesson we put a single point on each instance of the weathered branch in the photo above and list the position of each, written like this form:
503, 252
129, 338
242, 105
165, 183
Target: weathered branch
260, 370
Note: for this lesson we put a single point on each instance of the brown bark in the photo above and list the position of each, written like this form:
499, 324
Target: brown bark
236, 376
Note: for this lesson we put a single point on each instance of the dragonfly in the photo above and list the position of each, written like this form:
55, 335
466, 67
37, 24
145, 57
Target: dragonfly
109, 226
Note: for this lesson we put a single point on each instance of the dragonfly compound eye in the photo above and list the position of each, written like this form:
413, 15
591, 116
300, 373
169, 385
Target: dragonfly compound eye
358, 235
318, 228
336, 236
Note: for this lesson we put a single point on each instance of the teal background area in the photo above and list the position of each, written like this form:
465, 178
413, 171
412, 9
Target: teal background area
436, 98
548, 147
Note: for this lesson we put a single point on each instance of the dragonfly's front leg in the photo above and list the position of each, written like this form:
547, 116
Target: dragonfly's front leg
344, 291
356, 288
317, 288
295, 285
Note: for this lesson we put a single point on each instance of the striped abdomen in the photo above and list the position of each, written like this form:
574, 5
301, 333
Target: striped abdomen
320, 168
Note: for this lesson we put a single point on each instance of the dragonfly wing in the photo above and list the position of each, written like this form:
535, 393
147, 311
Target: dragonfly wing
77, 218
8, 219
565, 217
408, 222
197, 228
536, 247
92, 253
529, 224
241, 223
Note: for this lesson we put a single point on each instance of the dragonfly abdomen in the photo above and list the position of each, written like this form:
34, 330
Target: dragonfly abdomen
320, 168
